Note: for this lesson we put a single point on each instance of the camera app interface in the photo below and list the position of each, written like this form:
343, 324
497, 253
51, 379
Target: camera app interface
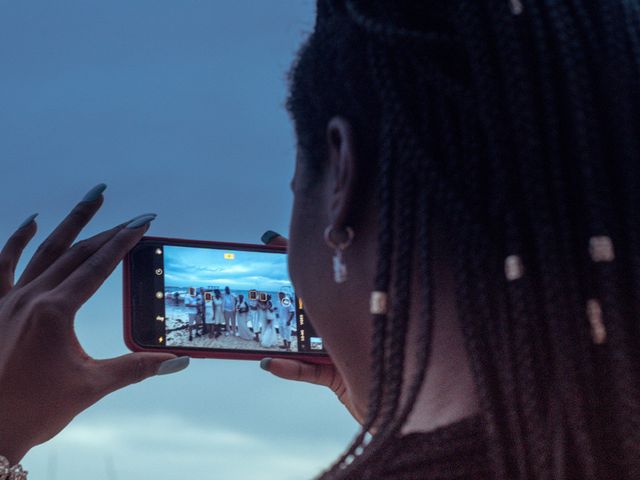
231, 300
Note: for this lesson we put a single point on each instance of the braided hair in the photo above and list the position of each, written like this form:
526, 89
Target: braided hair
513, 126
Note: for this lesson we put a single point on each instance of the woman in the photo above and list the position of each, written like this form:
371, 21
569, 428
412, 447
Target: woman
242, 316
218, 317
253, 317
269, 338
485, 154
210, 326
260, 316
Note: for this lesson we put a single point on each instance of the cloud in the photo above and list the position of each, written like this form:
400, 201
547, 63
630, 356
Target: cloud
163, 447
201, 267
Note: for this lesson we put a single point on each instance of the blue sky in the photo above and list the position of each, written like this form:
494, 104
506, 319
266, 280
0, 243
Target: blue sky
201, 267
174, 105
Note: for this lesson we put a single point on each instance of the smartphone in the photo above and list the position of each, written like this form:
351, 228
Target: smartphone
215, 300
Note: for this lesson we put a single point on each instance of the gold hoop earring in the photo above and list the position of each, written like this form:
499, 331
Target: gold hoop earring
339, 241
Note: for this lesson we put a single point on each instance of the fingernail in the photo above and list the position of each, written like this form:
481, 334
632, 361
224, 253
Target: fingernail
140, 216
141, 220
28, 221
172, 366
268, 236
265, 363
93, 194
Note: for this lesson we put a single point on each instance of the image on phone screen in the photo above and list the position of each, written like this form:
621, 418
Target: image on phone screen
217, 298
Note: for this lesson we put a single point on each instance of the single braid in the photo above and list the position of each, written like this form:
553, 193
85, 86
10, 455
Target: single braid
470, 17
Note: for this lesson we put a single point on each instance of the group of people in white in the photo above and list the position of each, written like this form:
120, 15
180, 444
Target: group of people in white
233, 314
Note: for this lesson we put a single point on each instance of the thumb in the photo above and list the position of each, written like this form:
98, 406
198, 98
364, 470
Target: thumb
316, 373
119, 372
272, 238
319, 374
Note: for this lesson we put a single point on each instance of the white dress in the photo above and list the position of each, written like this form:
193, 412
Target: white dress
208, 312
258, 320
268, 338
243, 329
253, 315
217, 307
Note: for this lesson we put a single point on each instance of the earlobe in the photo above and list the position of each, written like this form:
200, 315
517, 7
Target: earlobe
343, 171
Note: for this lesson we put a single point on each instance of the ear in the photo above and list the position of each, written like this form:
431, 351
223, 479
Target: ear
343, 171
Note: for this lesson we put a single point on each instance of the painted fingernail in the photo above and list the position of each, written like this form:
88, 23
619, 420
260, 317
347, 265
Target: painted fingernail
140, 216
28, 221
268, 236
141, 220
172, 366
93, 194
265, 363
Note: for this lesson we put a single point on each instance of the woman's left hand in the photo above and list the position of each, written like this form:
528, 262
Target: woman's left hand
46, 378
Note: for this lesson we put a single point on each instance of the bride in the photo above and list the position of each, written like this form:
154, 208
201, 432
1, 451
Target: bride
269, 338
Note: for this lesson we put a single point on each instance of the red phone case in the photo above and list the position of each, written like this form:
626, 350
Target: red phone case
127, 319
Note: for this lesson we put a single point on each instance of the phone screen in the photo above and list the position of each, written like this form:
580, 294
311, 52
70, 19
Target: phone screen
216, 298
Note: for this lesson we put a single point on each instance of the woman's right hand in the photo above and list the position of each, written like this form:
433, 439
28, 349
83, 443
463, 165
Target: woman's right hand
319, 374
46, 378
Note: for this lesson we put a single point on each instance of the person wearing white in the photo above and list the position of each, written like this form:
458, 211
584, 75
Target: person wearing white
229, 310
192, 304
285, 317
253, 317
209, 325
242, 315
218, 316
261, 311
268, 338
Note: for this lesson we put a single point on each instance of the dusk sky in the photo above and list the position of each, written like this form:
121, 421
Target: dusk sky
201, 267
178, 107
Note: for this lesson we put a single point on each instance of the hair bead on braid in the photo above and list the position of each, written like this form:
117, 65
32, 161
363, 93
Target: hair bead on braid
601, 249
513, 268
378, 304
598, 330
516, 6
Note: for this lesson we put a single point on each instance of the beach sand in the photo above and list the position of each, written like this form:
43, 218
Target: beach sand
178, 335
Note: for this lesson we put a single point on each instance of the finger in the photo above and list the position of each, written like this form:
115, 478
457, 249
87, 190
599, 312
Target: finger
76, 256
117, 373
272, 238
318, 374
10, 254
87, 278
64, 235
